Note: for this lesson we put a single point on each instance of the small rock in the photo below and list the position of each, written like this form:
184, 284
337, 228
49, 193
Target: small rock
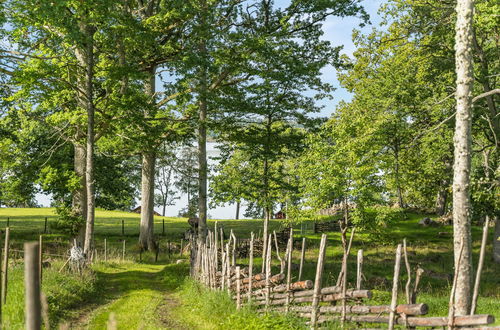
426, 222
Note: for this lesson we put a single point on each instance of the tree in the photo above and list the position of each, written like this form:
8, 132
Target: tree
165, 178
462, 164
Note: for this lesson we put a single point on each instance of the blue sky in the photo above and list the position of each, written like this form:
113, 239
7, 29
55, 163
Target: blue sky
339, 32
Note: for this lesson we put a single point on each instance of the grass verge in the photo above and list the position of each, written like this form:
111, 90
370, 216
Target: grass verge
64, 292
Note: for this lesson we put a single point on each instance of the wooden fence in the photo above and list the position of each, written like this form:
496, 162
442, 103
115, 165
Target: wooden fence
214, 265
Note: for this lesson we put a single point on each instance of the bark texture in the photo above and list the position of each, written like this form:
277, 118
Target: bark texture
462, 163
85, 57
146, 234
79, 202
496, 241
146, 231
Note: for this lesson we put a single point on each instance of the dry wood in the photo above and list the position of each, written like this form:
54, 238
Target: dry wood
480, 265
344, 276
216, 247
268, 271
408, 271
451, 310
5, 266
418, 276
302, 255
233, 257
350, 294
282, 263
466, 320
289, 269
40, 258
395, 281
250, 268
359, 270
33, 307
317, 281
415, 309
326, 290
238, 289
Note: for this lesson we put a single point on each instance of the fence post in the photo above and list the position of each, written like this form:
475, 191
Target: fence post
250, 268
40, 258
268, 269
395, 280
32, 287
163, 227
317, 282
123, 251
359, 272
238, 287
289, 270
5, 266
302, 255
45, 227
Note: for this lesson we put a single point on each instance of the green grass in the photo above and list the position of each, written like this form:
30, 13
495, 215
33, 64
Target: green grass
65, 292
203, 308
426, 247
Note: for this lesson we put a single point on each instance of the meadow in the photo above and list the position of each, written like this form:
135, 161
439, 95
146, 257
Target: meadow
135, 289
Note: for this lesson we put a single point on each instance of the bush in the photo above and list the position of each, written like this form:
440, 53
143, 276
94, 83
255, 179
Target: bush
376, 220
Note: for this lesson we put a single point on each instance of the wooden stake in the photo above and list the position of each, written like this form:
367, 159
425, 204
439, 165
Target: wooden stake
5, 266
418, 276
289, 270
163, 227
317, 282
480, 265
302, 255
395, 280
233, 260
268, 270
33, 307
123, 250
359, 271
282, 263
216, 247
45, 226
408, 271
40, 258
451, 308
238, 287
250, 268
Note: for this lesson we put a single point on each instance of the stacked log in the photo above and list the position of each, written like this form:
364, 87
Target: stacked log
466, 320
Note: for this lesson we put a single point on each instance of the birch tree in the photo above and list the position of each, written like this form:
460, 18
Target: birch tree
462, 154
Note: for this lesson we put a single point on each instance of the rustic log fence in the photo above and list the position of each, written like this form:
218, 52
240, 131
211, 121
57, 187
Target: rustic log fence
215, 266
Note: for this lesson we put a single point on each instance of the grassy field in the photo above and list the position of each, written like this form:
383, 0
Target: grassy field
128, 286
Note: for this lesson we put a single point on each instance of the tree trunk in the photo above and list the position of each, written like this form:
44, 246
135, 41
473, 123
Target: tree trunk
237, 217
146, 231
146, 234
441, 200
79, 203
85, 58
202, 130
462, 164
496, 241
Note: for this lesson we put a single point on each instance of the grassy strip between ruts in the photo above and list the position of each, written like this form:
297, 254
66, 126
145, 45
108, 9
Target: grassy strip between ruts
64, 291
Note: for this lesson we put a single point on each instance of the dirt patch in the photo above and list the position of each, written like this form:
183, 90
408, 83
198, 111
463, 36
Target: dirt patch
164, 312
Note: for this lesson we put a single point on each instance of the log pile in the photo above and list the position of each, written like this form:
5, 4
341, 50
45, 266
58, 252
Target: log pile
326, 226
